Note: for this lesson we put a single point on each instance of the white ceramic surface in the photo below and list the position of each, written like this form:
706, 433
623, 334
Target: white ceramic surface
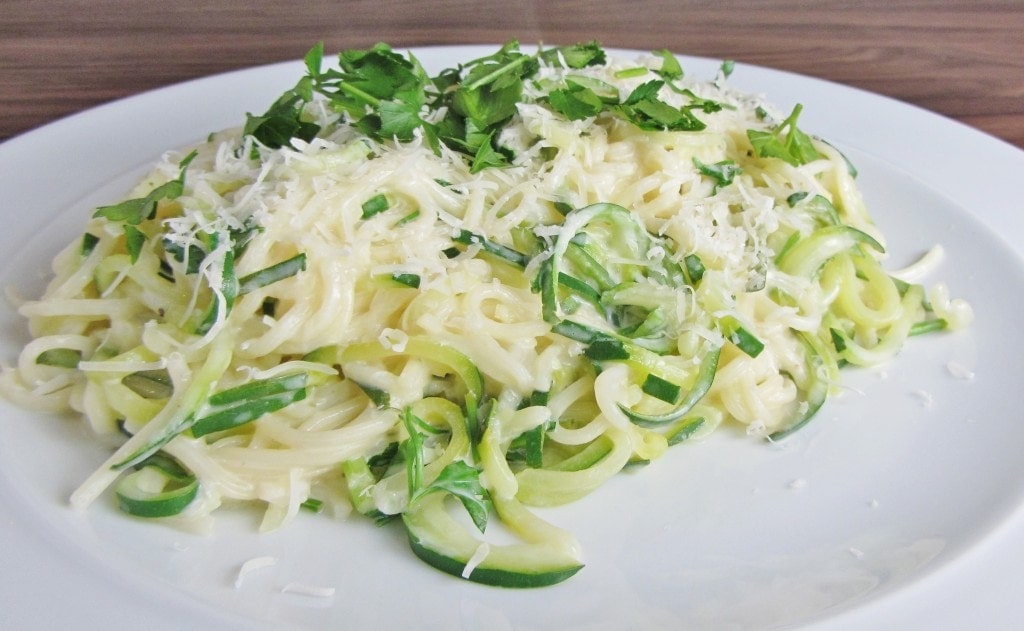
898, 505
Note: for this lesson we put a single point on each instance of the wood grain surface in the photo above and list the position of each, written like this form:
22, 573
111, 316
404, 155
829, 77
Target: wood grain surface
961, 58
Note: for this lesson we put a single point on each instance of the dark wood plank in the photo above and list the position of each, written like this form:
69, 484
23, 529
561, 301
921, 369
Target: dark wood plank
959, 58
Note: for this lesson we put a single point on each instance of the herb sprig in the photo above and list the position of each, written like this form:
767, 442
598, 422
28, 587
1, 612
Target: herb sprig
795, 147
133, 212
389, 96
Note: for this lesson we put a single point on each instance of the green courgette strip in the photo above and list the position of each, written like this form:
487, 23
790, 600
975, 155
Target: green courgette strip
445, 544
503, 252
424, 349
60, 357
567, 250
149, 384
544, 555
223, 299
359, 481
743, 339
705, 376
233, 408
821, 370
231, 287
576, 477
269, 275
811, 252
159, 487
238, 413
180, 409
684, 429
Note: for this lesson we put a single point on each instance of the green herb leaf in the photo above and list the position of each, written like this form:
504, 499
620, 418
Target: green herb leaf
132, 212
463, 481
576, 102
487, 156
281, 122
670, 68
606, 92
400, 118
795, 148
314, 59
135, 211
493, 87
134, 240
412, 451
722, 172
375, 205
269, 275
644, 92
576, 56
644, 109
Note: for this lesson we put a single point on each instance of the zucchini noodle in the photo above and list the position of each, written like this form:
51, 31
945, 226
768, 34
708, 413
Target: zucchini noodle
360, 320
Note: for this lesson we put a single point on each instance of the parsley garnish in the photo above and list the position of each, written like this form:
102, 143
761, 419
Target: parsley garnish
644, 109
283, 120
575, 101
132, 212
390, 97
670, 68
576, 56
722, 172
457, 478
796, 147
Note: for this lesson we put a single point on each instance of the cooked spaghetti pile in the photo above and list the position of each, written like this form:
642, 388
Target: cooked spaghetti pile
502, 283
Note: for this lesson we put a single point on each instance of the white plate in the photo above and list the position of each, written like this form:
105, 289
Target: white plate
897, 505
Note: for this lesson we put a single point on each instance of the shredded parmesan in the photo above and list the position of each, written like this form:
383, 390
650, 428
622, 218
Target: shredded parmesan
303, 589
478, 557
252, 565
959, 370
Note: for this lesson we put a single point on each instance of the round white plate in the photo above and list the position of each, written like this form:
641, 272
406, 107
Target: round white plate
898, 504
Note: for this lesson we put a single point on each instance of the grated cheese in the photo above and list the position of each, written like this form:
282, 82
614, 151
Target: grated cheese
252, 565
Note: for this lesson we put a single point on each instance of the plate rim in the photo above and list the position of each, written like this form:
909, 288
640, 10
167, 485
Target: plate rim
1008, 159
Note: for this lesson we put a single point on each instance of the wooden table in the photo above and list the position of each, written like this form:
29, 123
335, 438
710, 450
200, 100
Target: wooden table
960, 58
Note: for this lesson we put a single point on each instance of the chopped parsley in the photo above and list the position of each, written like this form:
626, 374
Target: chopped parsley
794, 147
390, 97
